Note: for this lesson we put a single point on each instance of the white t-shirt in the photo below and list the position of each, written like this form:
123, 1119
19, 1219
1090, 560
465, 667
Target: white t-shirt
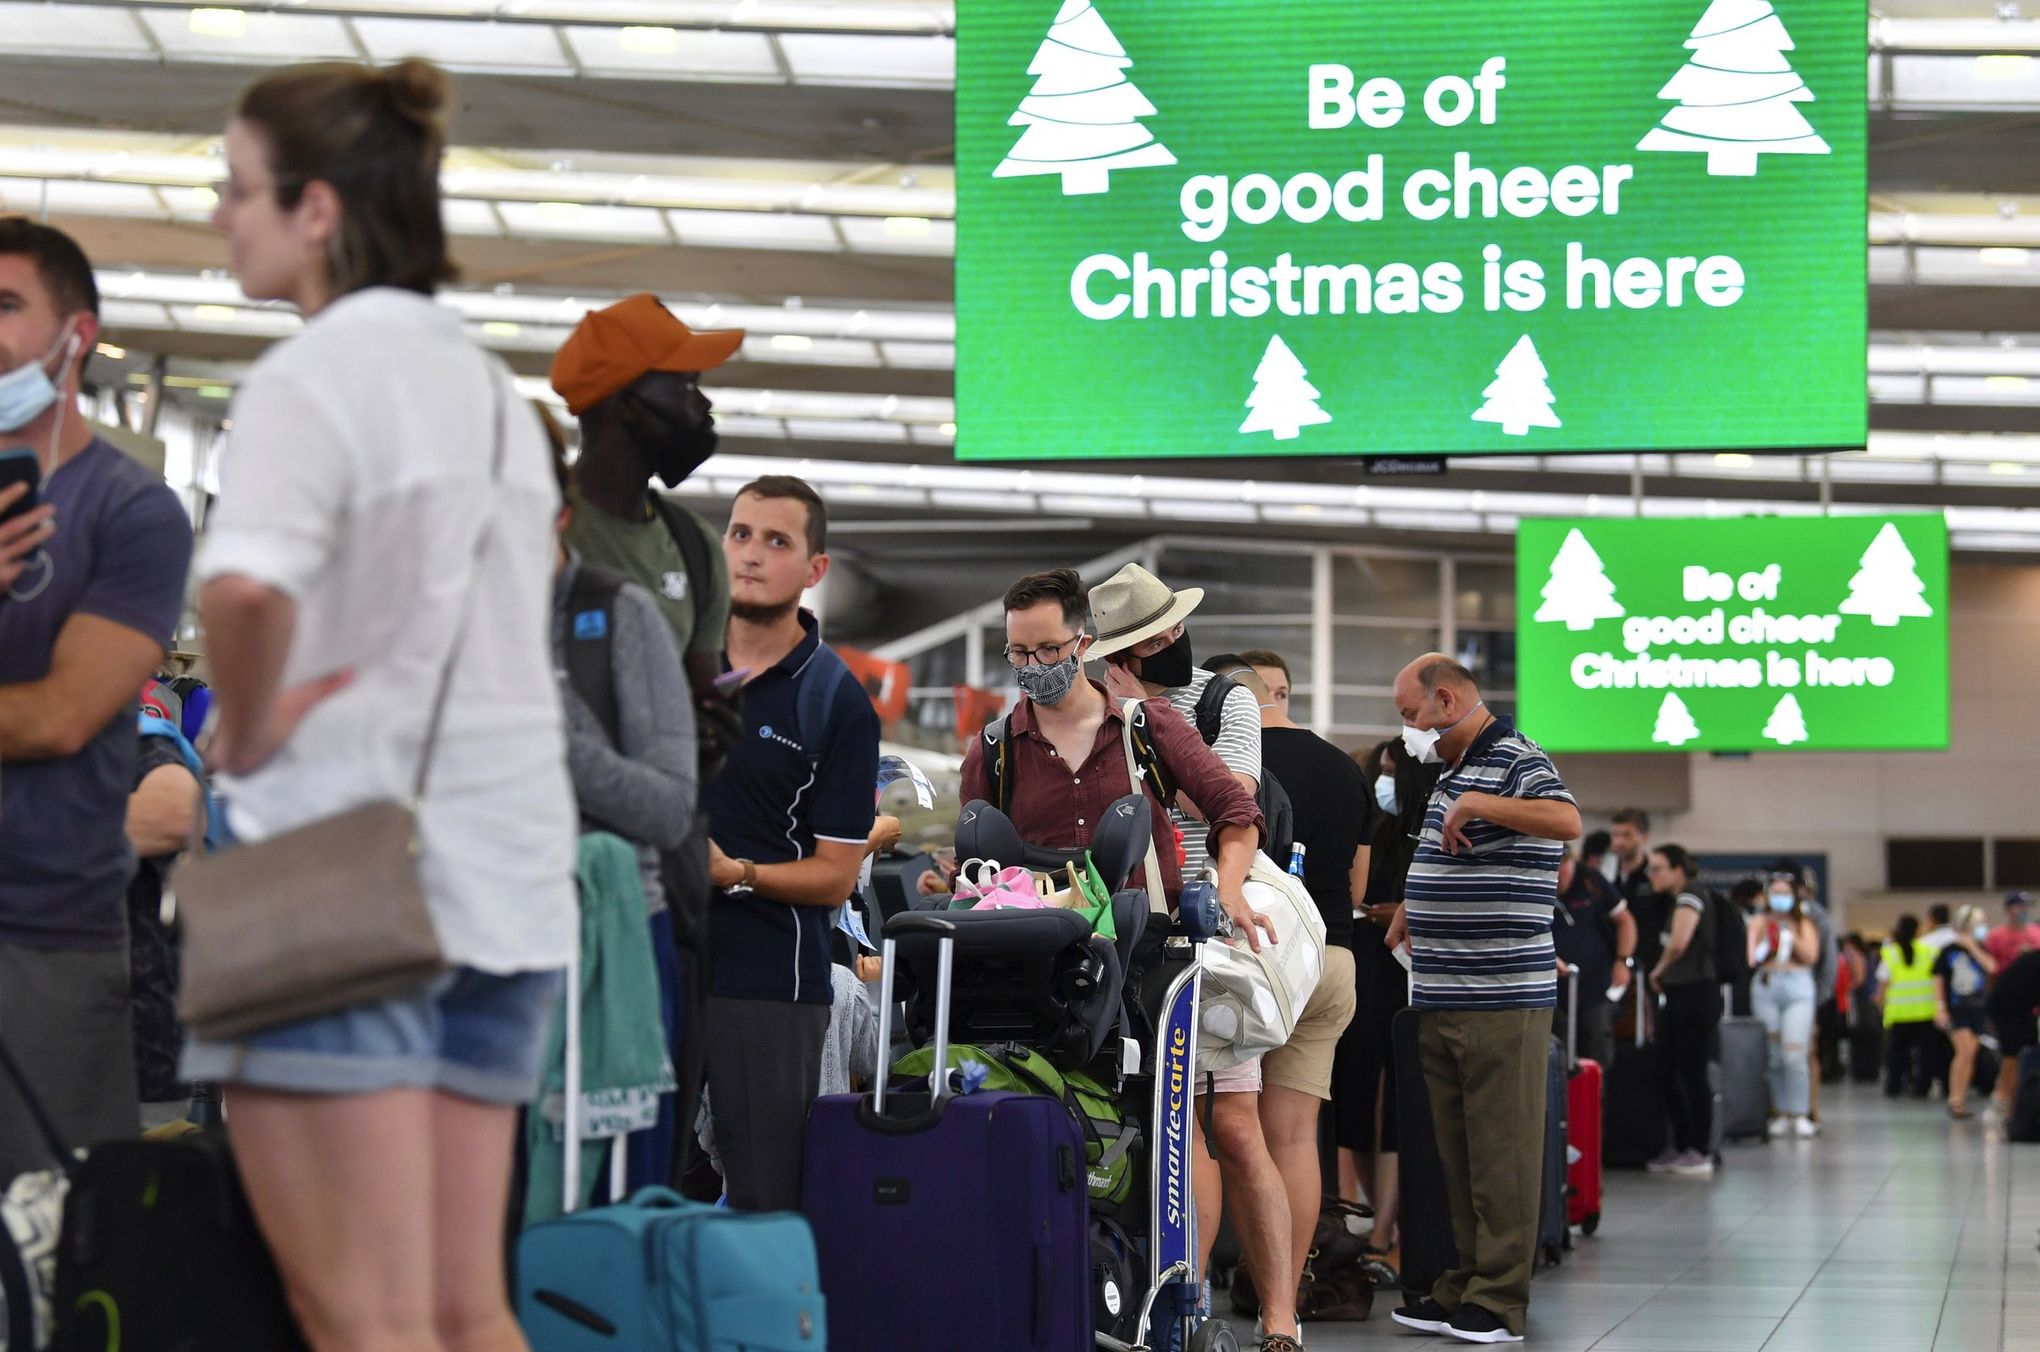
1238, 745
356, 480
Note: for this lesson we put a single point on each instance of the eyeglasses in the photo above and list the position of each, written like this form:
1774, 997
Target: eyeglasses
1044, 655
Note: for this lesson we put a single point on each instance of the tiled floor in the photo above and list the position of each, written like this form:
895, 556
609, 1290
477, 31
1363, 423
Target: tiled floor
1896, 1231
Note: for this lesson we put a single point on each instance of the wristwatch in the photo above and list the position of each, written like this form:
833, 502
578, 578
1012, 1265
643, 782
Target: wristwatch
748, 885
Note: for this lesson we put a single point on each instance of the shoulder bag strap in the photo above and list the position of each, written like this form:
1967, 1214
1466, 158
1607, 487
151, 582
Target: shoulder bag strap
482, 538
1158, 901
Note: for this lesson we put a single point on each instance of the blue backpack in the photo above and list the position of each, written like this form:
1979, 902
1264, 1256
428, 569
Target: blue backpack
661, 1274
152, 725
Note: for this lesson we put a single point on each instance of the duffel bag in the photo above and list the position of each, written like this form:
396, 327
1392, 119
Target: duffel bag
1251, 1001
1009, 1068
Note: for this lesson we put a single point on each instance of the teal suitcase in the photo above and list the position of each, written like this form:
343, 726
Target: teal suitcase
662, 1274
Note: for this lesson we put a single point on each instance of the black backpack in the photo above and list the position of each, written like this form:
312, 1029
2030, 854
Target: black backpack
591, 629
1731, 938
1276, 809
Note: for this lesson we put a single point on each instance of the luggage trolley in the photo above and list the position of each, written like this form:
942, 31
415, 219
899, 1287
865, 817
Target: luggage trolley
1044, 980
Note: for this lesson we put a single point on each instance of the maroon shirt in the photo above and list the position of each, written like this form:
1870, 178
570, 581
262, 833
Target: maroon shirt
1058, 808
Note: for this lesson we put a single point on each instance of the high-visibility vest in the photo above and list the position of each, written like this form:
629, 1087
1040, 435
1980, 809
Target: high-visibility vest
1910, 996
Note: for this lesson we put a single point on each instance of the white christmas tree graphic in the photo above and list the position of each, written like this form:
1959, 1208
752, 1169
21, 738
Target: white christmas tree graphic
1887, 585
1735, 94
1083, 116
1519, 399
1579, 591
1788, 722
1284, 401
1675, 725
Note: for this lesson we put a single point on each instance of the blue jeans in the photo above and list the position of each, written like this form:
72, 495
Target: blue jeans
1784, 1001
466, 1032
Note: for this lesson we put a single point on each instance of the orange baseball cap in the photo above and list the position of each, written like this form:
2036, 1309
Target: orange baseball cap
611, 347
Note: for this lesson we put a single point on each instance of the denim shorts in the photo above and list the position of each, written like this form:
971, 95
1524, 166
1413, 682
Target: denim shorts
466, 1032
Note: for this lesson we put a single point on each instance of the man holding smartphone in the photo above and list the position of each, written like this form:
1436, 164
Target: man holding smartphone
91, 586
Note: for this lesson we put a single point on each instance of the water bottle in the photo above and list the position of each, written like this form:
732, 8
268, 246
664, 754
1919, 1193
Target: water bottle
1296, 860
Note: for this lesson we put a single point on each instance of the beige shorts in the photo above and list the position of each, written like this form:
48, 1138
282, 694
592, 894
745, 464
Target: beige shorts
1244, 1078
1304, 1063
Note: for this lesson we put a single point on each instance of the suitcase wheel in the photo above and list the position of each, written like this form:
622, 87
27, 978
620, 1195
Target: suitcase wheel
1590, 1222
1214, 1335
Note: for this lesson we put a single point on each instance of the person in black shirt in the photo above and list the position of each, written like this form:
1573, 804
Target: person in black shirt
1332, 819
1630, 834
2011, 1002
1363, 1089
1594, 935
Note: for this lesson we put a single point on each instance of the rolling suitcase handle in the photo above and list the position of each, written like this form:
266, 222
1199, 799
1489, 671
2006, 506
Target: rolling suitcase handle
945, 959
1639, 980
1572, 1020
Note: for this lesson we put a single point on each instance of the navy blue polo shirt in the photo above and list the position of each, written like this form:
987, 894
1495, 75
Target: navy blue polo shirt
784, 788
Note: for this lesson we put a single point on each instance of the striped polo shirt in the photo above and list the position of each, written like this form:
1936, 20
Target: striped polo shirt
1480, 920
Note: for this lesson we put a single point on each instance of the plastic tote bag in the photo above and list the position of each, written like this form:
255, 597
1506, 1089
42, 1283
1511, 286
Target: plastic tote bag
1251, 1001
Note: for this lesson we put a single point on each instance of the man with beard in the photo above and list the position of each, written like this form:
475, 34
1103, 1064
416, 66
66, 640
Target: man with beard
789, 816
631, 373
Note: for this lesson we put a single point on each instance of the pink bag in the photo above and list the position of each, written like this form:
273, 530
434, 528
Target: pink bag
981, 885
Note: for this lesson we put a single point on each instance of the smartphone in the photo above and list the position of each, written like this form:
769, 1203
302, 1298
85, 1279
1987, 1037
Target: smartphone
20, 467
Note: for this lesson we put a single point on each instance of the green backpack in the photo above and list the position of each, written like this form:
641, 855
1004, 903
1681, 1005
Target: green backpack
1108, 1138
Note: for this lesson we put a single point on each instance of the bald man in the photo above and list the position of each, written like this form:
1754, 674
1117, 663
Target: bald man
1478, 909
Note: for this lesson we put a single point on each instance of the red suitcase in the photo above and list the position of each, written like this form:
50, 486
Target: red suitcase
1582, 1125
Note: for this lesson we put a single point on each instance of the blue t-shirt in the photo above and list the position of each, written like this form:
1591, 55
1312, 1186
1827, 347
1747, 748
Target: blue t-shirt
1480, 920
783, 788
121, 552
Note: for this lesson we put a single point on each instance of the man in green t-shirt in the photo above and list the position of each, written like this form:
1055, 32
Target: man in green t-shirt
631, 373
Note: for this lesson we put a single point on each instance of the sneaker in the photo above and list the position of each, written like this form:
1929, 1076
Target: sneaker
1664, 1161
1693, 1164
1425, 1316
1805, 1128
1473, 1324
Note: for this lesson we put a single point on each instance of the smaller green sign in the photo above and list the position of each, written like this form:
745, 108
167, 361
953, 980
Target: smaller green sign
1749, 634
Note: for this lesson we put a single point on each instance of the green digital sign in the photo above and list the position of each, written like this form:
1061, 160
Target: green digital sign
1743, 634
1224, 227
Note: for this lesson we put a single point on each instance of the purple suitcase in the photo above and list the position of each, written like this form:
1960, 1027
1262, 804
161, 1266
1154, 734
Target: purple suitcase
961, 1225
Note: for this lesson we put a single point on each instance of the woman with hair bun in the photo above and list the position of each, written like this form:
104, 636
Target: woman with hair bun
384, 532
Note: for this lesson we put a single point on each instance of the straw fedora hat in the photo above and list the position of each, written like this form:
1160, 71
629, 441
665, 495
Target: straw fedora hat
1133, 604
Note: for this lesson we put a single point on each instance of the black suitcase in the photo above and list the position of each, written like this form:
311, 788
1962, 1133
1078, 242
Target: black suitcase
159, 1251
1866, 1043
1425, 1224
1552, 1231
1745, 1107
2024, 1124
1637, 1127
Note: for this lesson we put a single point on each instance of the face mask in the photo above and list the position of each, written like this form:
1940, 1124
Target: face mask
1981, 932
1423, 742
27, 391
1051, 684
672, 448
1782, 901
1171, 666
1384, 793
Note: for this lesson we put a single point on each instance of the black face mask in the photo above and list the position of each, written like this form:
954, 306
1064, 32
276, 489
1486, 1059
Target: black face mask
674, 449
1171, 667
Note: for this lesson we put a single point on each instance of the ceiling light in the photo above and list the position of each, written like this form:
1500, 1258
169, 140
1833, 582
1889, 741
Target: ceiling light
218, 314
2006, 467
793, 342
111, 352
220, 23
2004, 67
500, 328
2004, 382
559, 208
646, 40
203, 198
215, 392
907, 227
1734, 460
947, 429
2004, 258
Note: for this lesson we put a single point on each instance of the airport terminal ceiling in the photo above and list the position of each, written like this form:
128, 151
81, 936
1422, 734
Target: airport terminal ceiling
789, 167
